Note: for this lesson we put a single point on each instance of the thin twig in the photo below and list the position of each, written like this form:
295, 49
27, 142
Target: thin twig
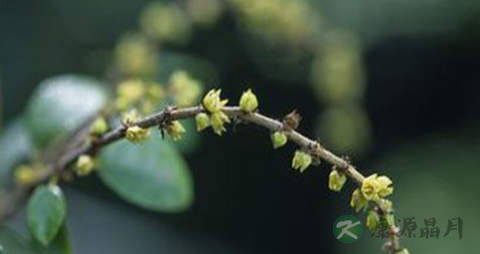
9, 205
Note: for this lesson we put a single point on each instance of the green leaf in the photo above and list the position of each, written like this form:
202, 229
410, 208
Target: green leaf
46, 213
60, 245
151, 175
13, 243
61, 104
15, 145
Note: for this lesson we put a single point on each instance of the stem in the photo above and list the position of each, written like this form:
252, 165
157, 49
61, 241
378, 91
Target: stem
10, 203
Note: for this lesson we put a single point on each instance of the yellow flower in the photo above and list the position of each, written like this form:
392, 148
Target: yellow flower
370, 187
202, 120
336, 180
25, 175
135, 55
137, 134
212, 101
385, 187
185, 89
248, 101
279, 139
99, 126
130, 118
175, 130
358, 201
375, 187
166, 22
84, 165
132, 90
218, 120
301, 160
372, 220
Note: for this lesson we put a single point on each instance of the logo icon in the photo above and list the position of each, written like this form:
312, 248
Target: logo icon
347, 229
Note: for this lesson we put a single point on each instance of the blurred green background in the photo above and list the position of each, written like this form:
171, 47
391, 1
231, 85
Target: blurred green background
392, 84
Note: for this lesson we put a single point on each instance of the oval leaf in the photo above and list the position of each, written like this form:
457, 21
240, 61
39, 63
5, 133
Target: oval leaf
46, 213
151, 175
61, 104
15, 144
60, 245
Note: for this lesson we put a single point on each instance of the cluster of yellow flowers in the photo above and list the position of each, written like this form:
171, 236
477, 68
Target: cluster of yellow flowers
184, 89
214, 115
373, 188
136, 134
135, 92
216, 118
132, 93
166, 22
278, 20
135, 56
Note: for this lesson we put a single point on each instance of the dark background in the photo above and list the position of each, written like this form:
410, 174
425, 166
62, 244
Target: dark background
421, 87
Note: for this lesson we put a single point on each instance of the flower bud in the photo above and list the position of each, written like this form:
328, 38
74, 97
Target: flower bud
358, 201
372, 220
212, 101
279, 139
84, 165
388, 206
336, 180
248, 101
137, 134
218, 120
99, 126
202, 120
175, 129
301, 160
25, 175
